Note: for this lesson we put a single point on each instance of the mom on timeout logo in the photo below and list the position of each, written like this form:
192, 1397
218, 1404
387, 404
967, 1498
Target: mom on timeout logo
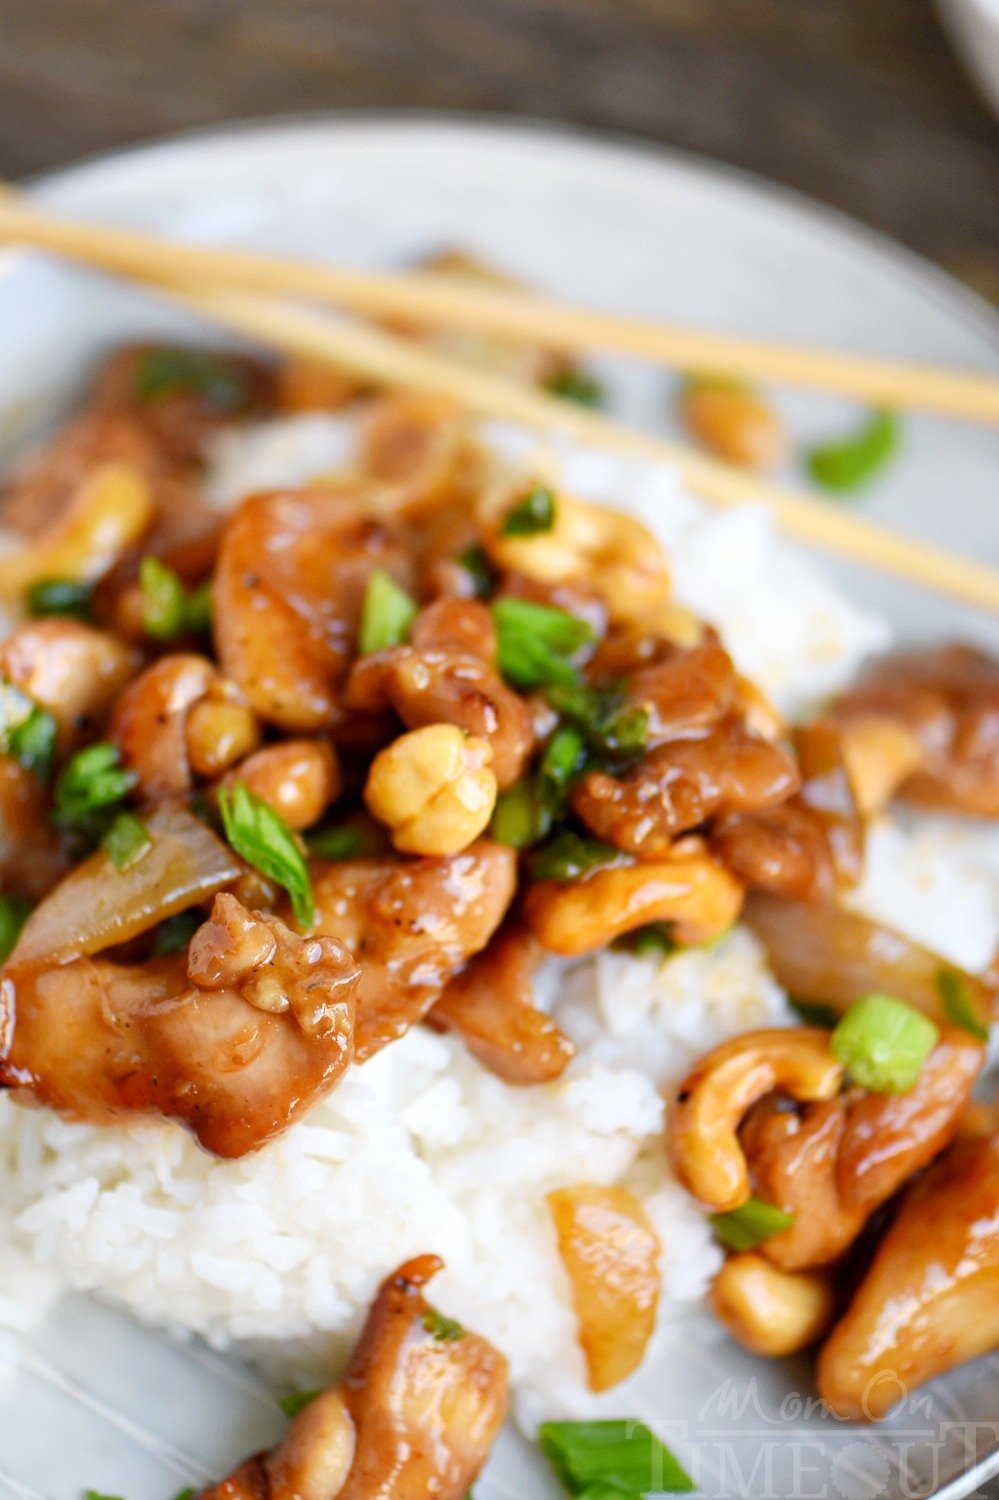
745, 1447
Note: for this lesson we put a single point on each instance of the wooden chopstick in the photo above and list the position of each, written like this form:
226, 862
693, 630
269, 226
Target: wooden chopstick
436, 300
394, 362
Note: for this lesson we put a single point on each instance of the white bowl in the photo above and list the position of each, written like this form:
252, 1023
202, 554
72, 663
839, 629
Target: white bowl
974, 27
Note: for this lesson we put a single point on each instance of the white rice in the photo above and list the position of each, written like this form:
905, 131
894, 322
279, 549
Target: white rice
422, 1149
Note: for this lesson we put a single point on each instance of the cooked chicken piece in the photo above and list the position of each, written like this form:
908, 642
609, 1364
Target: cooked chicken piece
682, 784
686, 691
237, 1039
832, 1163
73, 671
32, 855
411, 924
41, 490
447, 675
290, 581
930, 1300
490, 1005
810, 845
415, 1415
948, 698
181, 395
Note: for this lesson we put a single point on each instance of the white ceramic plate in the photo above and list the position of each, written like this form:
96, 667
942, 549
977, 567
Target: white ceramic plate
99, 1402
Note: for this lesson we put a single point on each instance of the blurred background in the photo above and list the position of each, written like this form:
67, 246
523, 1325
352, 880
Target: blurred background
861, 103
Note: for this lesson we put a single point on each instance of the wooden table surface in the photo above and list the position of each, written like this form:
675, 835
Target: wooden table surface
859, 102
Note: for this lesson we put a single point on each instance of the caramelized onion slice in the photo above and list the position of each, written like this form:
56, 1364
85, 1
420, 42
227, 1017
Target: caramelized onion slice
820, 952
96, 906
611, 1255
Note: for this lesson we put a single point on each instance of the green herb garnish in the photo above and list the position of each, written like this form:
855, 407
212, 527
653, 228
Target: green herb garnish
61, 596
883, 1043
297, 1401
444, 1330
535, 642
532, 515
126, 841
169, 609
854, 461
27, 732
175, 933
475, 561
386, 614
612, 1458
528, 810
14, 912
187, 1493
266, 842
519, 819
97, 1495
750, 1224
343, 842
217, 381
654, 940
569, 855
959, 1003
90, 784
576, 385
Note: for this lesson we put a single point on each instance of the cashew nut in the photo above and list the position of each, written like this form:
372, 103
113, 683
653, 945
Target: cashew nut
315, 1456
770, 1311
691, 891
710, 1103
111, 510
433, 788
614, 551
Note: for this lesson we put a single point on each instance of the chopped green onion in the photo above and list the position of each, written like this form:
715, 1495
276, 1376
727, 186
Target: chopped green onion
168, 608
959, 1004
475, 561
386, 614
750, 1224
655, 940
568, 856
616, 730
532, 515
215, 379
89, 785
883, 1043
336, 843
563, 757
576, 385
61, 596
175, 933
297, 1401
27, 732
265, 841
814, 1013
854, 461
612, 1457
186, 1494
14, 912
126, 841
519, 819
444, 1330
535, 641
33, 742
97, 1495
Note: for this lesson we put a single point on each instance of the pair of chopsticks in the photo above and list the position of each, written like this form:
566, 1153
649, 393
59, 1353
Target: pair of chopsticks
260, 297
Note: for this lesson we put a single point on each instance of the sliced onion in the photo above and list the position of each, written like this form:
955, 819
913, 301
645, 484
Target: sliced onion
820, 952
96, 906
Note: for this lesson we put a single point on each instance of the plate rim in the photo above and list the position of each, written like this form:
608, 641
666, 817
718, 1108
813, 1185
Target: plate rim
926, 278
933, 280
